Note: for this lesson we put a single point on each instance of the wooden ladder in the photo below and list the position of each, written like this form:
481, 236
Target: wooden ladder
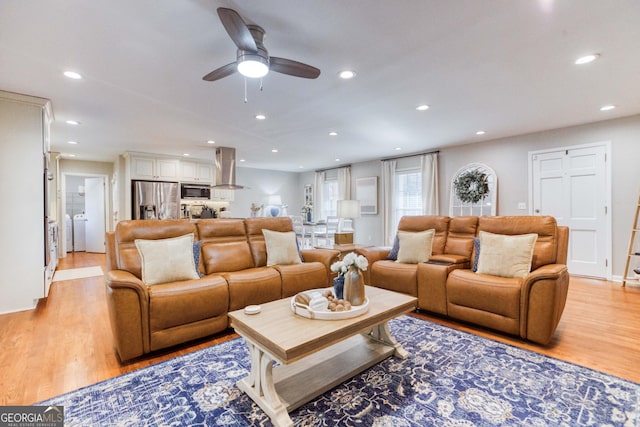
631, 253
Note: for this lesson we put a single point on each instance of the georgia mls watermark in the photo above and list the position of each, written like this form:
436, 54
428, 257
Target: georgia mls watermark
31, 416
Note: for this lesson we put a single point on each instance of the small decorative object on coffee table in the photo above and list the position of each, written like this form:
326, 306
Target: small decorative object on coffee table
351, 268
338, 287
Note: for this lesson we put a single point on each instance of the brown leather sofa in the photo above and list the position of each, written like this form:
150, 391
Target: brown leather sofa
233, 260
528, 307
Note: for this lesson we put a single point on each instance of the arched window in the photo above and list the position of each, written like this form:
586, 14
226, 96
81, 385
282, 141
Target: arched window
473, 191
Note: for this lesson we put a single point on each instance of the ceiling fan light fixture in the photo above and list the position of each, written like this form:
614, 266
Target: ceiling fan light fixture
253, 65
347, 74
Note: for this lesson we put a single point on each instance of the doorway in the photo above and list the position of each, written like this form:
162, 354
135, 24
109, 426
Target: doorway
84, 209
573, 184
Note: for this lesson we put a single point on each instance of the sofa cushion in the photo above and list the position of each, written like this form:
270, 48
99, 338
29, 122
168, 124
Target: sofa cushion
415, 247
393, 254
128, 231
253, 286
301, 277
394, 276
485, 300
180, 303
427, 222
167, 260
254, 227
476, 254
196, 257
224, 245
462, 229
223, 257
282, 247
546, 248
506, 256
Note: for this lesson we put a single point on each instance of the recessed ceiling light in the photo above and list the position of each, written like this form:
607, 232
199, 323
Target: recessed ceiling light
300, 167
275, 150
261, 117
422, 107
337, 160
186, 154
347, 74
587, 58
72, 155
72, 122
72, 142
242, 160
333, 133
72, 75
211, 141
398, 148
480, 132
607, 107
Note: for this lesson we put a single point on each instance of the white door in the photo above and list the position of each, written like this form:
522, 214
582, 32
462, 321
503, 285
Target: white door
95, 214
571, 185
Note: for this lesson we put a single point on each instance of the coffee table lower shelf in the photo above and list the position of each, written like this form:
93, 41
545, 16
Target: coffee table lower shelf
281, 389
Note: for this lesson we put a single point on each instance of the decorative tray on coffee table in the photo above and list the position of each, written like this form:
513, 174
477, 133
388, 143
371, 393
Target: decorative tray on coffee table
306, 311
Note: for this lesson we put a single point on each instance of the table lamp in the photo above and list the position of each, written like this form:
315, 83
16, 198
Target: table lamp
346, 209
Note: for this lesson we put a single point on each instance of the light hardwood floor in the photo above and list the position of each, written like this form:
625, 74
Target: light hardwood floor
65, 343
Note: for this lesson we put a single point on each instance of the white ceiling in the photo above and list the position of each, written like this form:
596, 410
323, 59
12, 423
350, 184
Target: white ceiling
501, 66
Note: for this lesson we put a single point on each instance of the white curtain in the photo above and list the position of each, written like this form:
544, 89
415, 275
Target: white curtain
429, 167
388, 184
318, 202
344, 183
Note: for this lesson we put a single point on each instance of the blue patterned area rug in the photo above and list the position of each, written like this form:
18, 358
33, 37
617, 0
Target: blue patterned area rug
451, 379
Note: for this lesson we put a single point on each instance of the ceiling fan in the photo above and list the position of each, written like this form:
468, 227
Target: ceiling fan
252, 59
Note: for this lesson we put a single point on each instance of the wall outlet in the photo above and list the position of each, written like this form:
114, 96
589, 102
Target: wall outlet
522, 205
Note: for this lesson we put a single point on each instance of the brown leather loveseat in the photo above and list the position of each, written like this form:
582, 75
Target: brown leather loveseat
232, 261
529, 306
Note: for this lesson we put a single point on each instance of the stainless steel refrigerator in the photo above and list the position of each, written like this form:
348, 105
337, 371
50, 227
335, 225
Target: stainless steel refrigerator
155, 200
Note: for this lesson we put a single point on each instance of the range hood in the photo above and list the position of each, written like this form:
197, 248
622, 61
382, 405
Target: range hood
226, 169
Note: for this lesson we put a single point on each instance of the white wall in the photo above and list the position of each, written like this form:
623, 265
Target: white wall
259, 184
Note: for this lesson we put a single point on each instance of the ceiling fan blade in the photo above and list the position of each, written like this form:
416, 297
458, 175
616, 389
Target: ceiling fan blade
293, 68
221, 72
237, 29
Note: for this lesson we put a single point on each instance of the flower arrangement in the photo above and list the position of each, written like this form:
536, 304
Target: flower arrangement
349, 260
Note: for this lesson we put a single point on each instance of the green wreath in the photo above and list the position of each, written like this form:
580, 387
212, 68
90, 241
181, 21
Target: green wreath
471, 186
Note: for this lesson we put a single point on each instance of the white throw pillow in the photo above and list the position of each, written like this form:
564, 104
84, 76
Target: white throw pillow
506, 256
282, 247
167, 260
415, 247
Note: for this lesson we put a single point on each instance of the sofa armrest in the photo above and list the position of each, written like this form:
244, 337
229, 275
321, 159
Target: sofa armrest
450, 259
372, 254
324, 256
128, 303
543, 297
432, 281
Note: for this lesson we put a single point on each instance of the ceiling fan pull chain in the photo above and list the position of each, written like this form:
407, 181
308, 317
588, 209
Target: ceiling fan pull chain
260, 84
245, 90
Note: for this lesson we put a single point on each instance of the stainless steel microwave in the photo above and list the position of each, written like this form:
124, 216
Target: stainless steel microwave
191, 191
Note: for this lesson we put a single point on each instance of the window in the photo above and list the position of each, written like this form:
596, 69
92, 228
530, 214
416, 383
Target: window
330, 197
407, 198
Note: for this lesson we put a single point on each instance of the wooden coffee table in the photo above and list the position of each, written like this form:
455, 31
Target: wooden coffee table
313, 355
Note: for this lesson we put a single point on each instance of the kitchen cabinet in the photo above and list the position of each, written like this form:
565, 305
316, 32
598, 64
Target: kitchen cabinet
196, 172
24, 157
222, 195
154, 168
